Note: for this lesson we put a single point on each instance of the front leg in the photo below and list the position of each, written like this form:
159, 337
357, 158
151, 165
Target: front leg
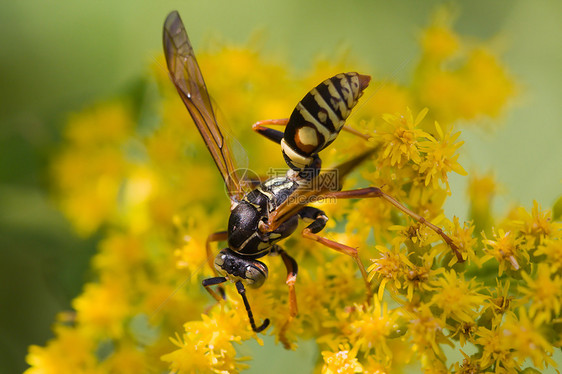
215, 237
292, 270
207, 283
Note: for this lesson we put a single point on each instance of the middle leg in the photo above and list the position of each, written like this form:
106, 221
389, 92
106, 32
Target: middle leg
319, 222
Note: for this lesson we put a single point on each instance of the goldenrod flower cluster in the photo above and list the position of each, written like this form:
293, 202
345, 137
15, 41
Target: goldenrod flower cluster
135, 171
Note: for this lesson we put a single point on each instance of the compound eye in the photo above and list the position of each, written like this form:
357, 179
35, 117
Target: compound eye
255, 274
221, 262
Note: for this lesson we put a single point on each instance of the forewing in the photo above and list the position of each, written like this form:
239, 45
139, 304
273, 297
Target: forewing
187, 77
327, 181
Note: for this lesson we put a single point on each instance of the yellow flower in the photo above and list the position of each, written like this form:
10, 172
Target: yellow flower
481, 191
367, 328
206, 346
368, 216
120, 254
426, 333
89, 171
544, 294
402, 142
507, 249
440, 158
371, 326
537, 225
488, 85
102, 308
552, 249
341, 362
403, 275
192, 254
190, 358
496, 350
526, 340
465, 332
500, 300
439, 42
420, 236
466, 242
469, 365
106, 123
322, 293
126, 359
71, 352
457, 80
372, 366
457, 298
388, 268
419, 278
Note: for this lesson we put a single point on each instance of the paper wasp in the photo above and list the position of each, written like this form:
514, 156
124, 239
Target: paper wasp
263, 215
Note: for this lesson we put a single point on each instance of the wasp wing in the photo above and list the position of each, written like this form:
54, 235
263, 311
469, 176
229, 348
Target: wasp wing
187, 77
325, 182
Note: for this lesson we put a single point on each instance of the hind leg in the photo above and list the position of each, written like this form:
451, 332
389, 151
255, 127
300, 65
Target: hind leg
377, 192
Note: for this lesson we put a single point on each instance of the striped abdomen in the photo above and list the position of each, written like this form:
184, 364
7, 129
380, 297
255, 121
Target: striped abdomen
319, 117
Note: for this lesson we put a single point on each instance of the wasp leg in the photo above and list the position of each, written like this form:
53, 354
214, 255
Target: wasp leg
276, 135
207, 283
310, 232
271, 134
215, 237
242, 291
345, 249
292, 270
356, 132
317, 216
377, 192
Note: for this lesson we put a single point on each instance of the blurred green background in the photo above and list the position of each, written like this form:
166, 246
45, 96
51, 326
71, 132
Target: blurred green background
58, 56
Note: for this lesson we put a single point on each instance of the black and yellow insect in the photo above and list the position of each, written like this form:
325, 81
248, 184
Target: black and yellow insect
263, 215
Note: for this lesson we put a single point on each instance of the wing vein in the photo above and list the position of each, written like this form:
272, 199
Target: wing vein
188, 79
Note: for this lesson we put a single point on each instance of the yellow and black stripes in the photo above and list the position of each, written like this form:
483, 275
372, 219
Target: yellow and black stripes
319, 117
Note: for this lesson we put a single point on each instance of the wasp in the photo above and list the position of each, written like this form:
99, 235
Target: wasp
264, 213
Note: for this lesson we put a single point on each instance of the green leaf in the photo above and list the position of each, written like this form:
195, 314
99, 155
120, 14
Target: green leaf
142, 331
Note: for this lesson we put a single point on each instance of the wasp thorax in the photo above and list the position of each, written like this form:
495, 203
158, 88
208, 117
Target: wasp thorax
239, 268
243, 224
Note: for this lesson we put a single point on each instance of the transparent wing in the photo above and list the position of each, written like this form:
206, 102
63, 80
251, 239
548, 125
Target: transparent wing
187, 77
327, 181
